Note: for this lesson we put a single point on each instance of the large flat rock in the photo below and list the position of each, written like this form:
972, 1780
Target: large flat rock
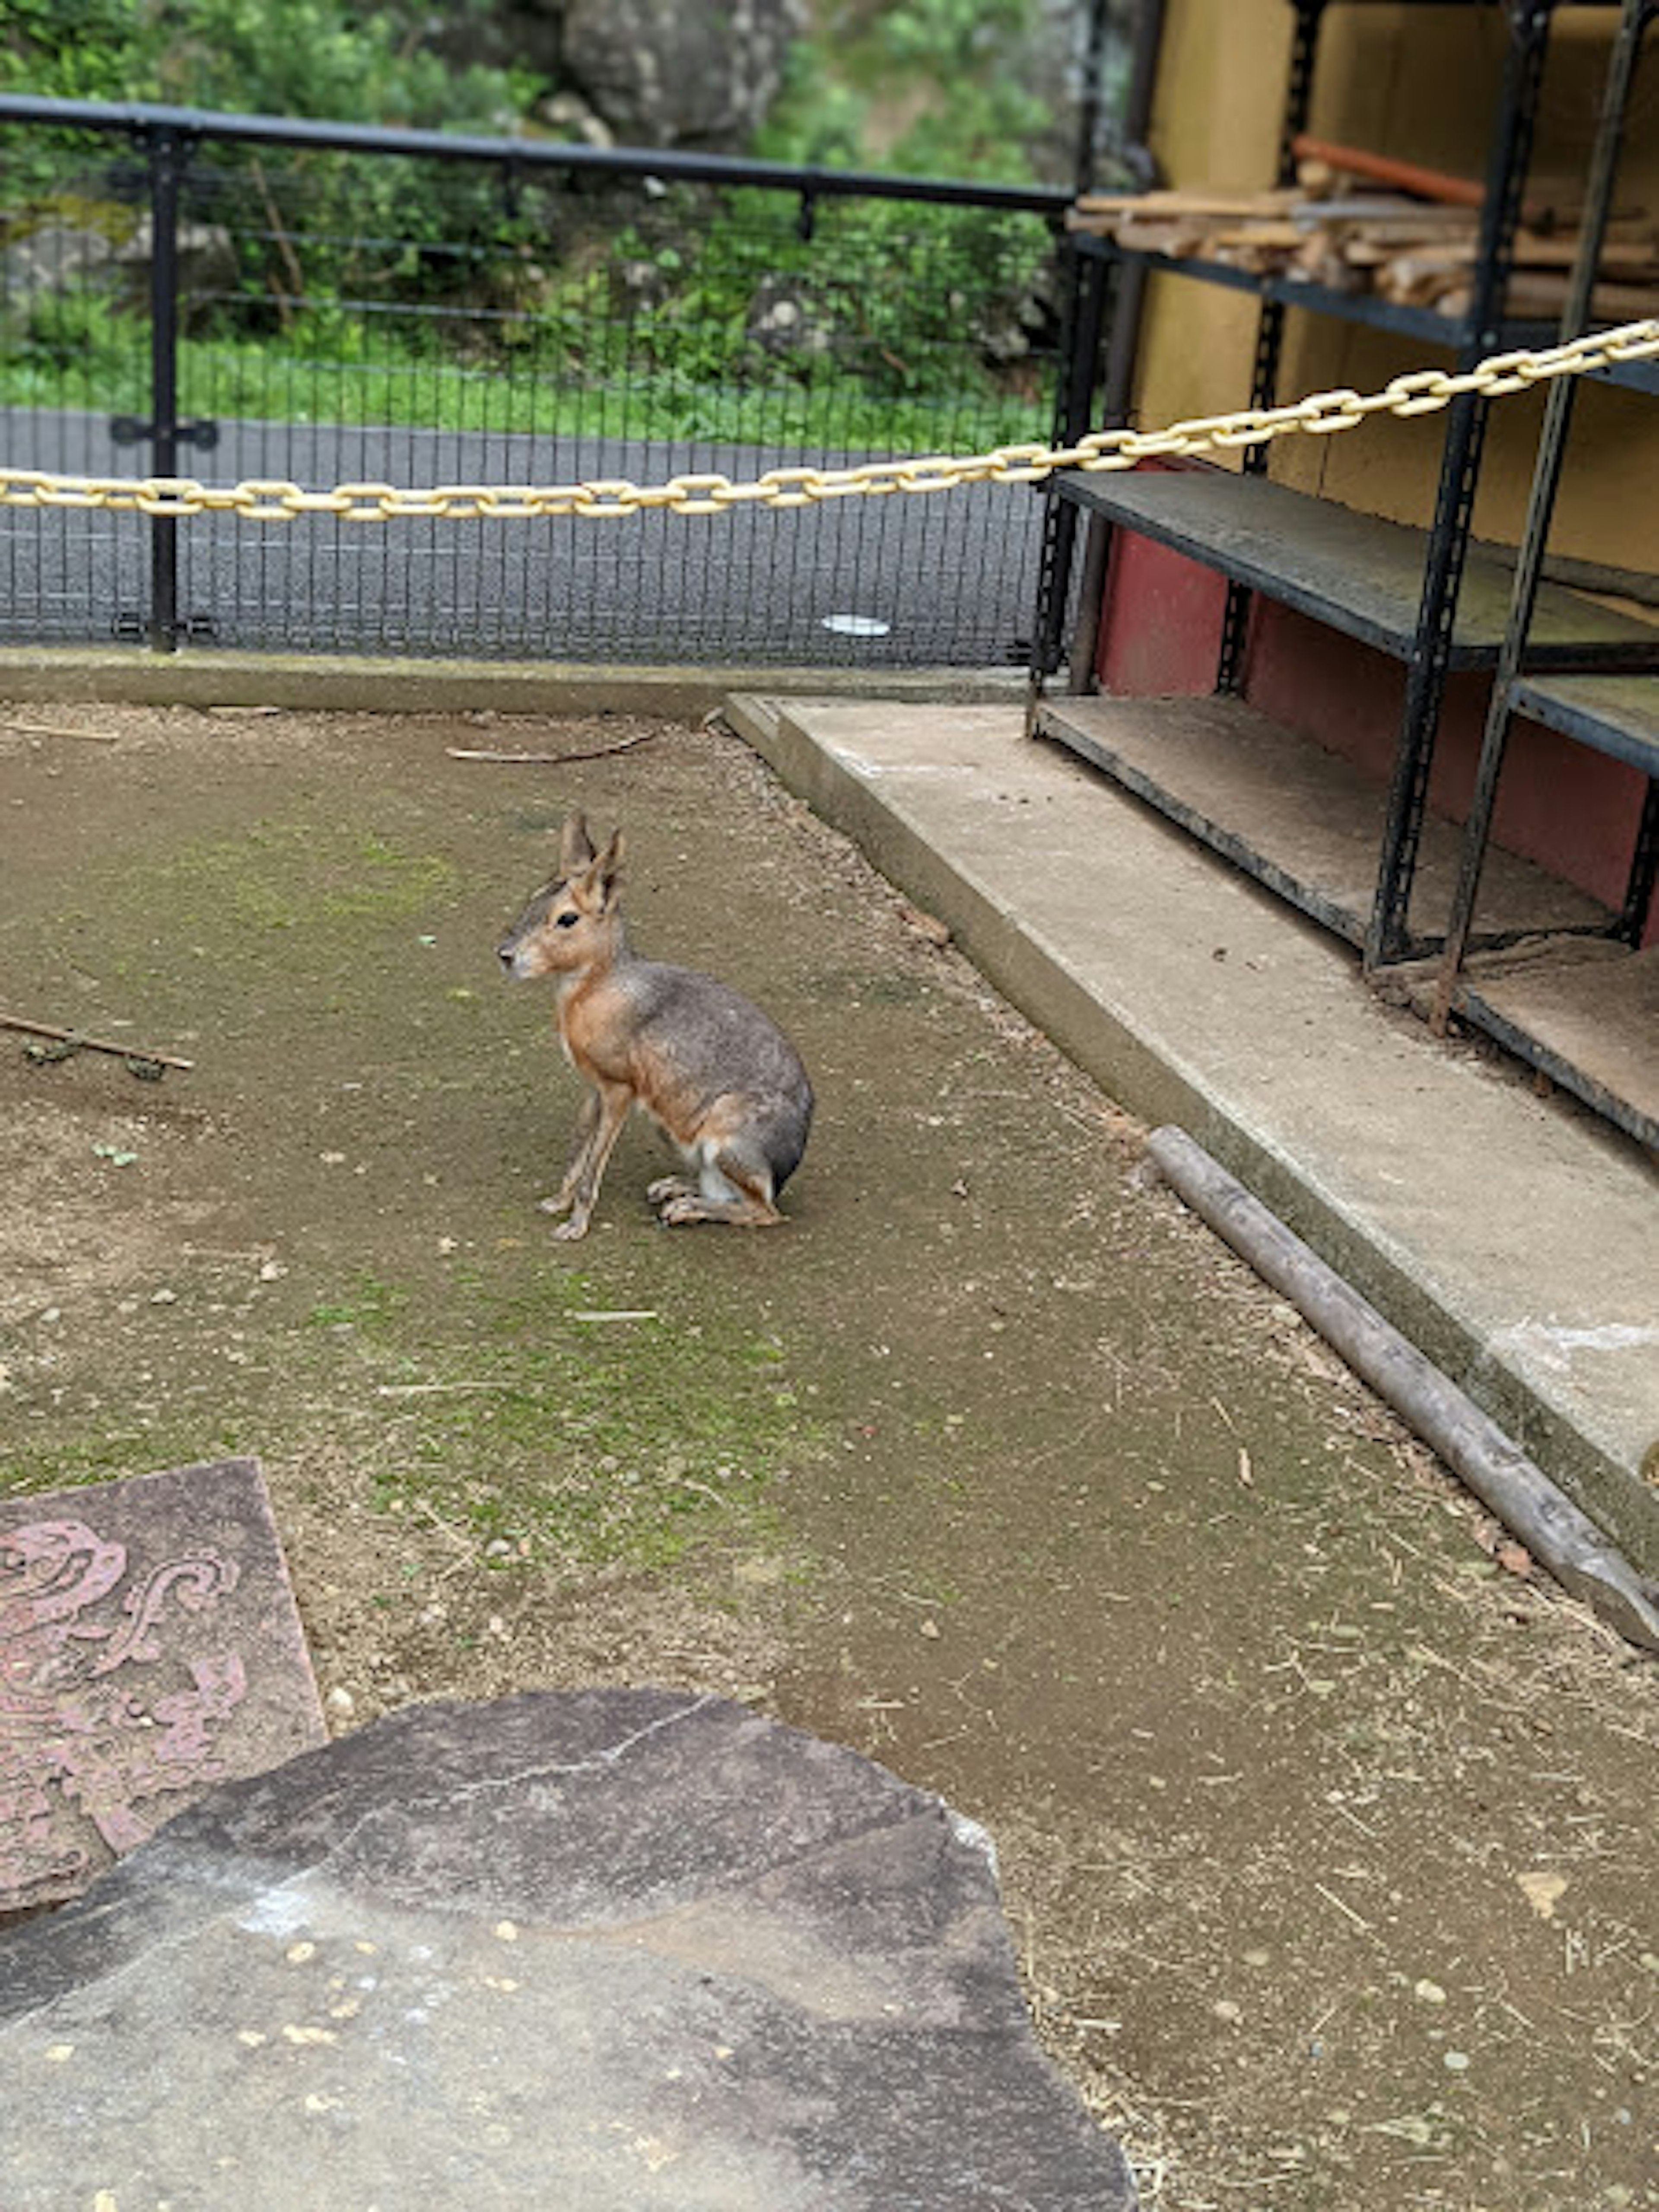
150, 1648
615, 1949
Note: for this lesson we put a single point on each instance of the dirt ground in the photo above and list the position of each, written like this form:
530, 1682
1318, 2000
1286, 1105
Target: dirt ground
1325, 1839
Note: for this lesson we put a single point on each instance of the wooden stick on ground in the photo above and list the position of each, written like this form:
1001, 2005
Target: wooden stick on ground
59, 730
551, 760
91, 1044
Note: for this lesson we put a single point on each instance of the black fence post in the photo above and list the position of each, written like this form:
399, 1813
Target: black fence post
165, 161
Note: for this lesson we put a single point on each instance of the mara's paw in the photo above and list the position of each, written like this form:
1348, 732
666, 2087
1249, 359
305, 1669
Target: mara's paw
684, 1206
667, 1187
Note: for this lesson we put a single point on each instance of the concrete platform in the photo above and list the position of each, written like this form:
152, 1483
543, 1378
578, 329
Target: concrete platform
1514, 1239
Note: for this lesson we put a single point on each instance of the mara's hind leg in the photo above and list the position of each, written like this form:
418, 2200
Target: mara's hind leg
731, 1186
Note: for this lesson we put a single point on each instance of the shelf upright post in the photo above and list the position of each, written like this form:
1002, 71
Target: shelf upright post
1534, 537
1124, 289
1123, 340
1270, 327
1088, 280
1388, 935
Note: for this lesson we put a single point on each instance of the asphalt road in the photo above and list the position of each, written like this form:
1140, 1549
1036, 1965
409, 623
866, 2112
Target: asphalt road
948, 579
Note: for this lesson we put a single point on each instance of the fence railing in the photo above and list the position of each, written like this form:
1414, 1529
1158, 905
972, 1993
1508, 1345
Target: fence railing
237, 297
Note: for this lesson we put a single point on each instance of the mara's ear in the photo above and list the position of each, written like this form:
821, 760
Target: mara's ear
607, 870
575, 846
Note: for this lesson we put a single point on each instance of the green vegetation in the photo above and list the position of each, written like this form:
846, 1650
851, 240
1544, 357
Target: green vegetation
317, 58
556, 1438
293, 875
955, 74
398, 291
550, 1440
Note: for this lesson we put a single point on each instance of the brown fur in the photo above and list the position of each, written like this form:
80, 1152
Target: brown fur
710, 1069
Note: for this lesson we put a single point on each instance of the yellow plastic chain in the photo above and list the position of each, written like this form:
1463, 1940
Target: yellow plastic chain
1421, 391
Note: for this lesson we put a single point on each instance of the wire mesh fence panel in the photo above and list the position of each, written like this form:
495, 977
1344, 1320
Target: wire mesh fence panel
75, 358
348, 319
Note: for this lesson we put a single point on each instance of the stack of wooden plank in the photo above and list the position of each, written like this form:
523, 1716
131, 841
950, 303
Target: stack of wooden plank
1359, 223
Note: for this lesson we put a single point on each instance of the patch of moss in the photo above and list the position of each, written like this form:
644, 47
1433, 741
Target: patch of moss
552, 1436
286, 875
97, 1455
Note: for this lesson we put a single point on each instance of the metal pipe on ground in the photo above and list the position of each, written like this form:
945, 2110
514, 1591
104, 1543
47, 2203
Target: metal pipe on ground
1514, 1489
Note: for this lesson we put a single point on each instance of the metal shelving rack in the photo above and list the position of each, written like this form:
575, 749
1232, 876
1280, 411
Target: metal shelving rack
1593, 1025
1423, 597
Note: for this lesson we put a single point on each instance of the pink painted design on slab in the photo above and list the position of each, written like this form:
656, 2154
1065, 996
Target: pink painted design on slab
137, 1666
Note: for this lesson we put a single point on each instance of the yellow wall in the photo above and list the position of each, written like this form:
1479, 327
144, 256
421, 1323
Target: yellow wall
1419, 82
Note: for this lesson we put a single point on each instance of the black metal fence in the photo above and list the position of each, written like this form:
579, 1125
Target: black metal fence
234, 298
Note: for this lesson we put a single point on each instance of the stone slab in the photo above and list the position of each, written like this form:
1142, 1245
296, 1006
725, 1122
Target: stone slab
150, 1647
618, 1949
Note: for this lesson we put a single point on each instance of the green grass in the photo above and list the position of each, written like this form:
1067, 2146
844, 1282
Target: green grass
551, 1438
255, 381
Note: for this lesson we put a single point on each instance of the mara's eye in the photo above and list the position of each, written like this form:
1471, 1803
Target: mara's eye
568, 919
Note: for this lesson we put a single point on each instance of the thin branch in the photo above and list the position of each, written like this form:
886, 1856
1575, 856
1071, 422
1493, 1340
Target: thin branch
553, 760
91, 1044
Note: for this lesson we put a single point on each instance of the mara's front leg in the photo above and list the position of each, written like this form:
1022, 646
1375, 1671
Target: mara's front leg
587, 1125
610, 1105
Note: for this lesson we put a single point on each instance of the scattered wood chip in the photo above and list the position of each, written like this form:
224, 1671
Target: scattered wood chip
925, 924
1542, 1891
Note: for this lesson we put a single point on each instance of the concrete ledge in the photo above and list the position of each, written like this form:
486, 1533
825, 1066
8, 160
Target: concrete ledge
131, 675
1513, 1239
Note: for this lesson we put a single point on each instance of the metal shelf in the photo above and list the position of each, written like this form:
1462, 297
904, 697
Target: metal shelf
1365, 308
1428, 599
1355, 573
1615, 714
1304, 822
1456, 333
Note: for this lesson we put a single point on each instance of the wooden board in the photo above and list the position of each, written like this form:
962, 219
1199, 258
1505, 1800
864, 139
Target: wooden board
1592, 1024
1615, 715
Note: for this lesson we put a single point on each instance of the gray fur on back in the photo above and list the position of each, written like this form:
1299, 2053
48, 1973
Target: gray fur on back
720, 1043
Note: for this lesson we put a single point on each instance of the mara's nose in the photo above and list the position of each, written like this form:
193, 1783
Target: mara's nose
504, 954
